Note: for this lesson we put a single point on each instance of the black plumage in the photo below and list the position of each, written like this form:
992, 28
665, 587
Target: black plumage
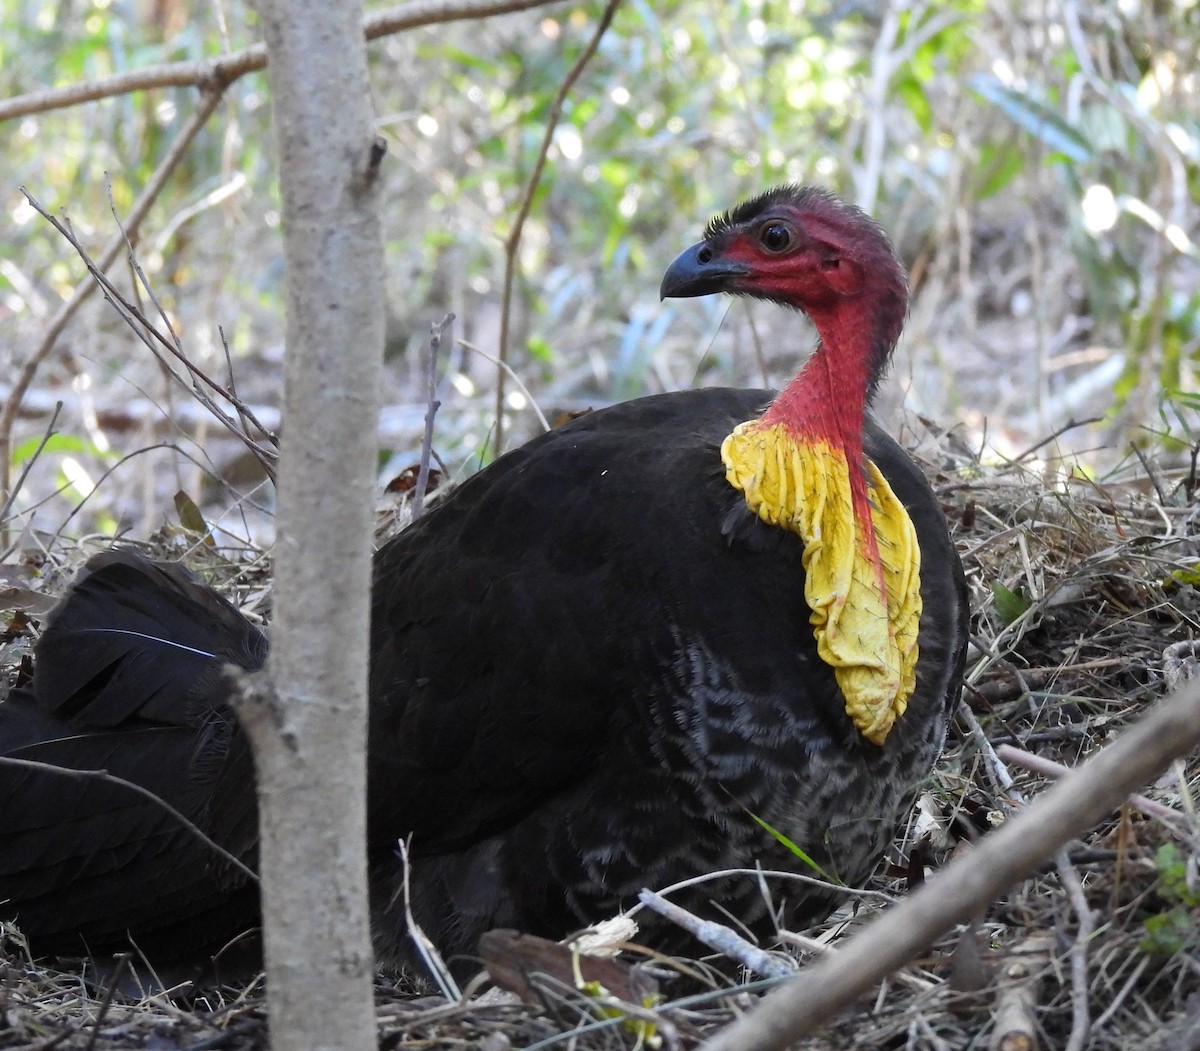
128, 681
637, 700
592, 668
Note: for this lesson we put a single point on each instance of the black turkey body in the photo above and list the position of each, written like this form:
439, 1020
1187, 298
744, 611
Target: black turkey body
592, 668
649, 681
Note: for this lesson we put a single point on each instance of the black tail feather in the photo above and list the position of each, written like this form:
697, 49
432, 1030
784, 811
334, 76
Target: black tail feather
128, 680
137, 639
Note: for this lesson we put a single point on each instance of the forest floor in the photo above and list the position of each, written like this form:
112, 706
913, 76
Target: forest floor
1079, 591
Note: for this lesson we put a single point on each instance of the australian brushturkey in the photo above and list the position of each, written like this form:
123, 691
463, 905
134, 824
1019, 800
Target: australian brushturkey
594, 665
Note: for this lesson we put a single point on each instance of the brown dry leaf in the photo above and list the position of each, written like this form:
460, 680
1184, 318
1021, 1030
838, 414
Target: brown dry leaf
514, 961
26, 600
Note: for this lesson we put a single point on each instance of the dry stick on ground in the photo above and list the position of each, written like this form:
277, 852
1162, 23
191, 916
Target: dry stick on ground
514, 238
718, 936
1080, 1016
208, 103
114, 980
218, 73
426, 950
1039, 764
1015, 1027
971, 882
995, 766
1071, 425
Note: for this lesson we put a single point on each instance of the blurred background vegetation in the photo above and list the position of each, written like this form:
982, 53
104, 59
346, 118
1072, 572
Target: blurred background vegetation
1038, 166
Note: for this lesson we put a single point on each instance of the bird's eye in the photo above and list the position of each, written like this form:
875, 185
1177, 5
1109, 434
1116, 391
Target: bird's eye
776, 237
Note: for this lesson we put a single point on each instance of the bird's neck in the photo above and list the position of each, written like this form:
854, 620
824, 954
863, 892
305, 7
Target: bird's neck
800, 467
823, 407
827, 399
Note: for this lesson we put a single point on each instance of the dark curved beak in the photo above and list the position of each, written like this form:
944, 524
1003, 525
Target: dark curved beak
697, 271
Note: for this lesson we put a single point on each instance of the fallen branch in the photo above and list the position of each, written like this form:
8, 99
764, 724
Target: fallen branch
1039, 764
718, 937
972, 881
426, 950
1016, 1027
1080, 1016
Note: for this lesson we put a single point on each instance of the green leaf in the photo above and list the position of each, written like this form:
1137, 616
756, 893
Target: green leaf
1010, 604
1035, 117
793, 848
998, 166
1167, 933
190, 516
917, 102
1172, 867
56, 443
539, 349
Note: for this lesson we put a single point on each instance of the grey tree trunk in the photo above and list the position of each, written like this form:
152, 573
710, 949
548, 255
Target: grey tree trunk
308, 722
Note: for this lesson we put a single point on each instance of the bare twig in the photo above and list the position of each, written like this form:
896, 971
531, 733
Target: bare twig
972, 880
823, 945
155, 341
994, 762
208, 103
439, 330
1039, 764
1152, 472
145, 793
428, 952
513, 241
718, 937
512, 375
113, 982
214, 75
28, 465
759, 874
1070, 425
1016, 1026
139, 273
1080, 1017
245, 417
1115, 1003
991, 653
110, 470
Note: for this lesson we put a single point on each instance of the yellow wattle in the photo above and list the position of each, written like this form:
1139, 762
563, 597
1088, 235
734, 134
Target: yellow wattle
862, 578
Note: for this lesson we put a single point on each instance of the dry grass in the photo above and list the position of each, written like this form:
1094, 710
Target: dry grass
1096, 580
